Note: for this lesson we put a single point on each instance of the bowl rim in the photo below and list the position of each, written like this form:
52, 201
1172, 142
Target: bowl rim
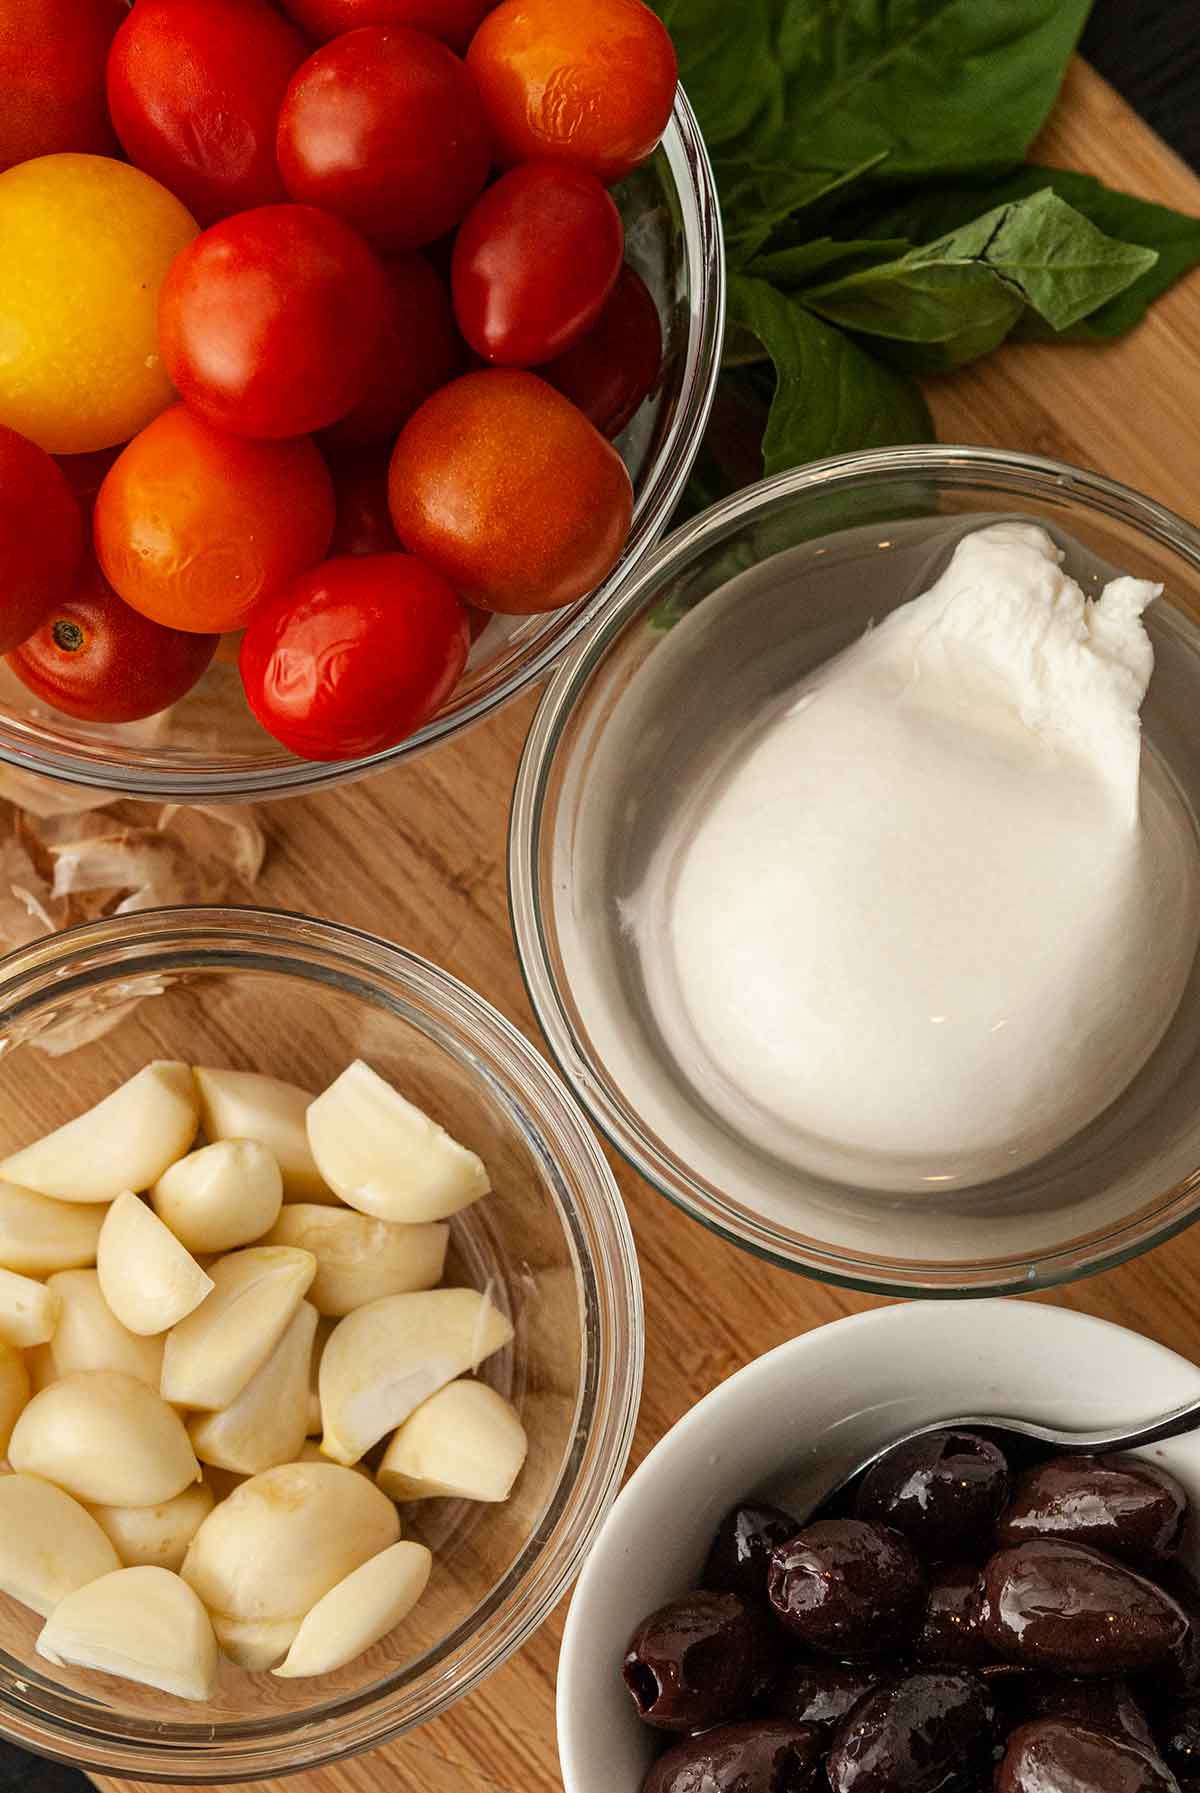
1048, 1322
703, 247
599, 1240
972, 465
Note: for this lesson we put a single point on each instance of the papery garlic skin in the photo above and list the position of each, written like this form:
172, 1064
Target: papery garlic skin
124, 1142
105, 1438
149, 1280
49, 1544
225, 1195
371, 1601
143, 1624
247, 1105
212, 1354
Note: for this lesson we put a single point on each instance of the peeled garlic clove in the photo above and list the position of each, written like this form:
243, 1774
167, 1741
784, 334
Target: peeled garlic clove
384, 1359
284, 1538
254, 1644
28, 1310
246, 1105
222, 1481
225, 1195
107, 1439
267, 1423
323, 1334
385, 1157
142, 1624
311, 1452
40, 1365
38, 1235
49, 1545
465, 1442
90, 1337
156, 1537
15, 1391
360, 1259
210, 1356
124, 1142
355, 1614
149, 1280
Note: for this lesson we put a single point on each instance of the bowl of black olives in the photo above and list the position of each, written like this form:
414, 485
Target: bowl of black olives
964, 1616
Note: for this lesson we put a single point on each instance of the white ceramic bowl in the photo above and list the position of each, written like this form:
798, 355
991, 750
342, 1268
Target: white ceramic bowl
793, 1422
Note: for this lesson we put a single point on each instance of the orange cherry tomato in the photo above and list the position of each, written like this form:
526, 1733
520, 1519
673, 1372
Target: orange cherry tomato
419, 349
95, 658
196, 528
41, 537
500, 483
52, 77
270, 320
590, 82
454, 21
617, 364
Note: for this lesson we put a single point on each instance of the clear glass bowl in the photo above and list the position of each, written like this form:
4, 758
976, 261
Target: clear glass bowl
209, 747
632, 728
300, 999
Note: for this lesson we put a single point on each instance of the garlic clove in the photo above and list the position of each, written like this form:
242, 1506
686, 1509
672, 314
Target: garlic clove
254, 1644
311, 1452
324, 1332
15, 1390
385, 1157
466, 1443
149, 1280
40, 1364
266, 1424
212, 1354
49, 1544
156, 1537
247, 1105
371, 1601
384, 1359
124, 1142
360, 1259
90, 1337
39, 1235
28, 1310
284, 1538
143, 1624
225, 1195
222, 1481
105, 1438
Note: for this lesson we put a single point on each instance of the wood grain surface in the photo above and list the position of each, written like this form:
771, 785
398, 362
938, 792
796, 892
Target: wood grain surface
418, 854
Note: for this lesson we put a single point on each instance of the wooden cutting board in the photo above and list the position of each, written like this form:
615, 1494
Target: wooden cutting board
418, 855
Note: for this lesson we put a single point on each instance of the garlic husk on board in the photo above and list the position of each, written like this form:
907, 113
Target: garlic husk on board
149, 1280
227, 1194
90, 1337
249, 1105
105, 1438
384, 1359
143, 1624
385, 1156
39, 1235
28, 1310
212, 1354
15, 1390
156, 1537
49, 1544
466, 1442
360, 1259
266, 1425
124, 1142
371, 1601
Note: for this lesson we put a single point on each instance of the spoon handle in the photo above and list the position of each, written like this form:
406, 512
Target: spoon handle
1167, 1425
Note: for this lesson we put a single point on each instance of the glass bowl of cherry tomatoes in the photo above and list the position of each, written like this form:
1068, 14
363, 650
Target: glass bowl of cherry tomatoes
350, 352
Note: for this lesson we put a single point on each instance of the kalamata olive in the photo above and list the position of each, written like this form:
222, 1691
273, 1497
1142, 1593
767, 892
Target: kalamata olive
925, 1733
699, 1660
950, 1631
1122, 1505
767, 1756
1059, 1755
1179, 1737
1076, 1611
944, 1492
741, 1551
1179, 1675
1108, 1705
819, 1693
847, 1587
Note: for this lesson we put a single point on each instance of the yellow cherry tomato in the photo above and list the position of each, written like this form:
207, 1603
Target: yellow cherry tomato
84, 244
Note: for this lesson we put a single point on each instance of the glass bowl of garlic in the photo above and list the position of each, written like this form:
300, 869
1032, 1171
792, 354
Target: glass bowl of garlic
223, 1305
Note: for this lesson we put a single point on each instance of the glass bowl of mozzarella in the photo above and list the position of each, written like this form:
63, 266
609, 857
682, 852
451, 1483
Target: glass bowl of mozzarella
208, 1572
856, 874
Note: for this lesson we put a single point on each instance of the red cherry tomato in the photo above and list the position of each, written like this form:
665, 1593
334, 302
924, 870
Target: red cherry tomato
419, 349
85, 473
590, 82
194, 87
536, 257
97, 659
454, 21
360, 490
617, 364
269, 321
41, 536
500, 483
195, 528
52, 77
355, 655
384, 128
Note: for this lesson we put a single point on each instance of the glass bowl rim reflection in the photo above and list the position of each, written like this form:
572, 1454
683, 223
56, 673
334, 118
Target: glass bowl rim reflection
132, 772
598, 1239
955, 466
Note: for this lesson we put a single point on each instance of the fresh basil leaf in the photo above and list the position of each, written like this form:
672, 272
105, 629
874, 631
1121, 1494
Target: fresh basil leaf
930, 316
824, 258
831, 396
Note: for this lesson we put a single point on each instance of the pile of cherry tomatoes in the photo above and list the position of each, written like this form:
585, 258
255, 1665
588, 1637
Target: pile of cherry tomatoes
315, 329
